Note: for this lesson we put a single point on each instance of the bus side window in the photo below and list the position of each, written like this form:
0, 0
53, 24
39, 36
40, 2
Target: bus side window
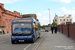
36, 29
33, 30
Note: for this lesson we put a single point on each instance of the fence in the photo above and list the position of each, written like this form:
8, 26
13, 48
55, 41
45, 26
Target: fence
68, 30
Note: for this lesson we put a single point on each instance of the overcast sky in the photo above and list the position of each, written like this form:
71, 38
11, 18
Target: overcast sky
40, 7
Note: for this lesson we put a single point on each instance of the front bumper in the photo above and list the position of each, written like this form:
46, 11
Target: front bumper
25, 38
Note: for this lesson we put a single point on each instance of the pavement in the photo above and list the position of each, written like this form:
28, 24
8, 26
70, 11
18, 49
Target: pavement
57, 41
5, 34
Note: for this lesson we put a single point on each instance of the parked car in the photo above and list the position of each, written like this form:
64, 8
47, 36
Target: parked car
46, 30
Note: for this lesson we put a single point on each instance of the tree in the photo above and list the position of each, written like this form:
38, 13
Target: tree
49, 24
54, 23
43, 26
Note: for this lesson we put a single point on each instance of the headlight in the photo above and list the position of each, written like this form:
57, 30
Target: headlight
29, 36
13, 37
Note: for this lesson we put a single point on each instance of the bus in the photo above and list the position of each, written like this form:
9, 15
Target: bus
24, 29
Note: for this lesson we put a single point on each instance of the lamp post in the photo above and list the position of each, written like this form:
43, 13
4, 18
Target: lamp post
49, 15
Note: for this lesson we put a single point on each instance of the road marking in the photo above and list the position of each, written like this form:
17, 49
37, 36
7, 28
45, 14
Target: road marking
27, 47
2, 42
37, 45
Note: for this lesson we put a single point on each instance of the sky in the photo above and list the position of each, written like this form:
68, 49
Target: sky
41, 8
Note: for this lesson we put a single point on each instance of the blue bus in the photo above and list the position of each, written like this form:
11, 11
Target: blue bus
24, 29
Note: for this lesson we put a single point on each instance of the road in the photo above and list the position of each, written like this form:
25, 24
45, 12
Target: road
5, 43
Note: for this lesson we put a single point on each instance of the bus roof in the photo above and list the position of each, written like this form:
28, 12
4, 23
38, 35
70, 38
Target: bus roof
23, 18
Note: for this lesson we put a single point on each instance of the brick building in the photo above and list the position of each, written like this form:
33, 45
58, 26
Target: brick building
6, 18
30, 16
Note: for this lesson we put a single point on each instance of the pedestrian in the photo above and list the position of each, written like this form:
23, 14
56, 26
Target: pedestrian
3, 32
52, 28
55, 28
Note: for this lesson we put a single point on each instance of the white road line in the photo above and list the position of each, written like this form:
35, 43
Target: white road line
2, 42
27, 47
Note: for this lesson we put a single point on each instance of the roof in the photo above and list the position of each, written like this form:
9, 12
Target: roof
61, 17
2, 8
23, 18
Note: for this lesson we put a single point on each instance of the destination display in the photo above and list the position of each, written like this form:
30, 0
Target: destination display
22, 21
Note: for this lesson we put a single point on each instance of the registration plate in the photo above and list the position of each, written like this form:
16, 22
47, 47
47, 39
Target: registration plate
21, 40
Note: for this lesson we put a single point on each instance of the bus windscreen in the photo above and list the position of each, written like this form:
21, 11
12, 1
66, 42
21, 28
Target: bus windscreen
22, 28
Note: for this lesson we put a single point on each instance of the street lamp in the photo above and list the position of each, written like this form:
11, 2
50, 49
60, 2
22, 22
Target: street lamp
49, 15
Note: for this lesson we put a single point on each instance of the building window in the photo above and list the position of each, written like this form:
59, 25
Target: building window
6, 23
60, 19
67, 19
0, 16
0, 29
10, 23
64, 19
55, 19
70, 19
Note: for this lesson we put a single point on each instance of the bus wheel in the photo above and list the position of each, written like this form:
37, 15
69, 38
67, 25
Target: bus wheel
33, 40
39, 35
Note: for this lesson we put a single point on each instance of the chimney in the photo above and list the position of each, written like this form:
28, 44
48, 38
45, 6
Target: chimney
69, 16
65, 15
14, 11
2, 5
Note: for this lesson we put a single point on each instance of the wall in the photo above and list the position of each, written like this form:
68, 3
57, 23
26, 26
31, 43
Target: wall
58, 27
65, 30
72, 31
68, 30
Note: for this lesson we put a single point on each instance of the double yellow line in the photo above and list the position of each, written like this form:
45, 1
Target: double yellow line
37, 45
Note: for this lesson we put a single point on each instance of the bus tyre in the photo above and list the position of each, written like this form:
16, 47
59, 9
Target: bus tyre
39, 35
13, 42
33, 40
